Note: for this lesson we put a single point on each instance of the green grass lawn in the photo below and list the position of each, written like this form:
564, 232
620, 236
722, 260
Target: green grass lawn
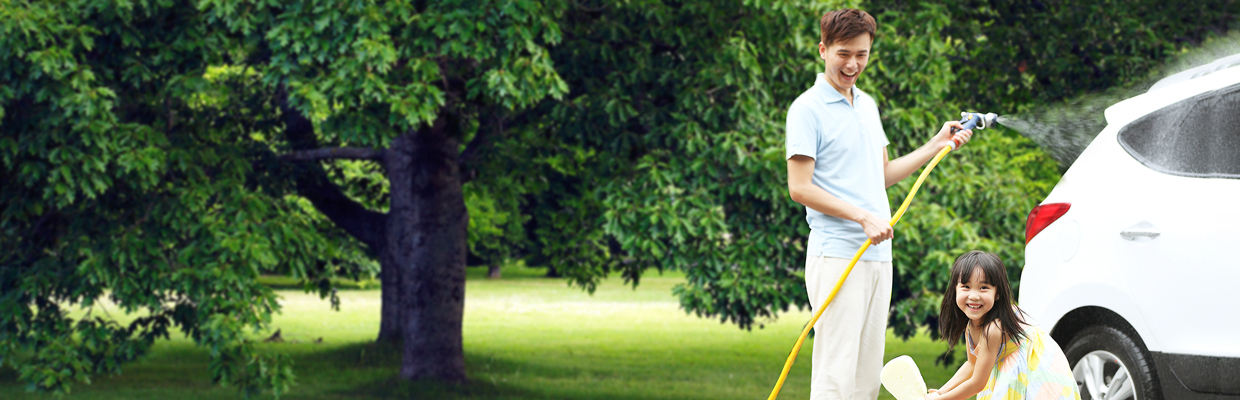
526, 337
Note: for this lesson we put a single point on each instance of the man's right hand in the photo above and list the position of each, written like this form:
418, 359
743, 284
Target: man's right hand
876, 228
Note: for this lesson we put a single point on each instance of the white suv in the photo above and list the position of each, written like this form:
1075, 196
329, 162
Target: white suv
1133, 260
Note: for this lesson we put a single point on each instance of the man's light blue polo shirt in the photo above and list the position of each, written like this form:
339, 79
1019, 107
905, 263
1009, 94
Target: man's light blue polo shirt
847, 145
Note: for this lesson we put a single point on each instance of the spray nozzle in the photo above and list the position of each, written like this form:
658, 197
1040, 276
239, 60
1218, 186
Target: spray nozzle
974, 121
977, 120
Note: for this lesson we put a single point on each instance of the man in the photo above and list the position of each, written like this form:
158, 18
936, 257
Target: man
838, 168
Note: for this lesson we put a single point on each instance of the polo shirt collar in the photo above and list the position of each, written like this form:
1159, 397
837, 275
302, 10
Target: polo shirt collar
832, 94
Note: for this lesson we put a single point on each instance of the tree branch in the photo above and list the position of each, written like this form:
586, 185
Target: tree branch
335, 153
355, 219
494, 128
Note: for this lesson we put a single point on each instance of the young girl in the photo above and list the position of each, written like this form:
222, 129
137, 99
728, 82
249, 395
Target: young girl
1008, 358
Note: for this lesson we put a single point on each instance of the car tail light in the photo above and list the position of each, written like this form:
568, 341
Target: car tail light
1042, 216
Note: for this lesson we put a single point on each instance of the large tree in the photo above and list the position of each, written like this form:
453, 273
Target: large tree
151, 151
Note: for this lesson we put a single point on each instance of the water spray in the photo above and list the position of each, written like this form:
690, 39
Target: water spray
968, 120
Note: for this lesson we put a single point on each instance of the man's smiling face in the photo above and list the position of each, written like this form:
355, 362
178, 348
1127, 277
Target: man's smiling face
845, 60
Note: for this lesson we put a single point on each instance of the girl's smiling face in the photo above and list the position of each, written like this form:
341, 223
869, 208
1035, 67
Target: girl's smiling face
975, 297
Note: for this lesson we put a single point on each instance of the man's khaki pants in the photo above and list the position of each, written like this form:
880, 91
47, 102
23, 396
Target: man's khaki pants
848, 338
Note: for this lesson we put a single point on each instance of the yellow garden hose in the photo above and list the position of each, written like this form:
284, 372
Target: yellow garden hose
797, 348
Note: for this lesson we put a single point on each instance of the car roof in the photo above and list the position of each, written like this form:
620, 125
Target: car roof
1195, 72
1210, 77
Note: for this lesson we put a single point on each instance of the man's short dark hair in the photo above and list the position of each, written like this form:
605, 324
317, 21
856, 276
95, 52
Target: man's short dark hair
846, 24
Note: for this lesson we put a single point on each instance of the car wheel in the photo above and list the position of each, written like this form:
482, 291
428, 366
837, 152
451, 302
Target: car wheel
1109, 365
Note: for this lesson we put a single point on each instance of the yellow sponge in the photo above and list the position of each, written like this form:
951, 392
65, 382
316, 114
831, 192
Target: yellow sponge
903, 380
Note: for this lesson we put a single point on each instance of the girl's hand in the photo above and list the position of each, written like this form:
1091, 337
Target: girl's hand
933, 395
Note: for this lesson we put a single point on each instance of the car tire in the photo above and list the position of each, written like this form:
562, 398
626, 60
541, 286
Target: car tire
1100, 354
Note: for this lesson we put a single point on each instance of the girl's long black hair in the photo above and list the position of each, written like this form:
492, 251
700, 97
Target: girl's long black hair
952, 321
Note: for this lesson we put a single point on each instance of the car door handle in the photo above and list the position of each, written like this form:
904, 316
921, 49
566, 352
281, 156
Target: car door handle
1141, 230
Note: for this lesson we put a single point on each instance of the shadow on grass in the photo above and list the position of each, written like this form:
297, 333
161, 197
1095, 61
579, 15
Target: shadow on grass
372, 370
355, 370
359, 370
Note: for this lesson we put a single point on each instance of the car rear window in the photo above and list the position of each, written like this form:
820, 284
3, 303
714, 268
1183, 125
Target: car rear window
1198, 136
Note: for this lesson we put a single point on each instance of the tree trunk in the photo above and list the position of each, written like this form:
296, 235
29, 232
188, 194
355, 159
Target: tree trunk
426, 241
390, 325
493, 271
